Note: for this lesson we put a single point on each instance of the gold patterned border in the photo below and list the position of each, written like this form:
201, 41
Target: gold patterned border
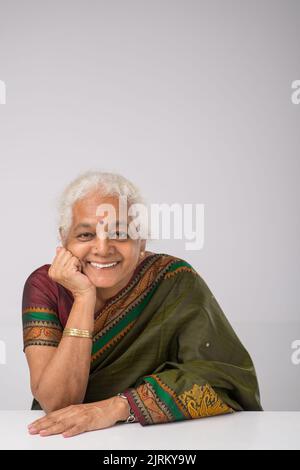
202, 401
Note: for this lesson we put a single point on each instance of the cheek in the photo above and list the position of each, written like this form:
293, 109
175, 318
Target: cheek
131, 255
77, 249
127, 249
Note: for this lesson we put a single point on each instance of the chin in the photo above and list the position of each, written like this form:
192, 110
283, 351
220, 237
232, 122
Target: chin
102, 282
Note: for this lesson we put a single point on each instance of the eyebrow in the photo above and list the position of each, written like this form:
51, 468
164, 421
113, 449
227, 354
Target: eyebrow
87, 225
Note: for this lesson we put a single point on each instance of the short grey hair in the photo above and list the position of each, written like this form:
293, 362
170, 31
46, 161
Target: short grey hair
108, 184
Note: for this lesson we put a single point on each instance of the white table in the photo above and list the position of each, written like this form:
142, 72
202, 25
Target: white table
246, 430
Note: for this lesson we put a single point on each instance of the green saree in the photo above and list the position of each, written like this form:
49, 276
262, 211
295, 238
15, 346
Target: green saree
163, 341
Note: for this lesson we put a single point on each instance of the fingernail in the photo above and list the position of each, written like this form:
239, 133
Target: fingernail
32, 431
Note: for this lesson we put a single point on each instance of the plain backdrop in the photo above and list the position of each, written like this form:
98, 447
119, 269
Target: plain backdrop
189, 99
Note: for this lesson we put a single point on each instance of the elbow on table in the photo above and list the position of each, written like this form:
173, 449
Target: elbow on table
50, 403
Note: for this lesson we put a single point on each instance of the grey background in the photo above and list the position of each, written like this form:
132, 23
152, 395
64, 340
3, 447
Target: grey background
192, 101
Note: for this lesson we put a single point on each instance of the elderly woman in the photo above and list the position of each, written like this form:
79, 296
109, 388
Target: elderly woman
115, 333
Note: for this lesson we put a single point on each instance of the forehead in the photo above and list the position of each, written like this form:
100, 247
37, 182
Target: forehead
85, 210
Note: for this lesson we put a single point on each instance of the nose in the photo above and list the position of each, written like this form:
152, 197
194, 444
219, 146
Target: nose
102, 246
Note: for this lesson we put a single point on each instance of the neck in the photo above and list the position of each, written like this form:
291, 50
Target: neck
103, 294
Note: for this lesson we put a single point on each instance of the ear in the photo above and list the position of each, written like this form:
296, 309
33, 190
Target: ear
61, 237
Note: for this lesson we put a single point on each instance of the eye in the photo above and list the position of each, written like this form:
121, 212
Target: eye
118, 235
85, 236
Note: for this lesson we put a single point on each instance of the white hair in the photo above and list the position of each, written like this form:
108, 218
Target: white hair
108, 184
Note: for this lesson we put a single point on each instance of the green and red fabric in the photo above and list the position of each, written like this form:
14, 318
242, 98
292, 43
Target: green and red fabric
163, 341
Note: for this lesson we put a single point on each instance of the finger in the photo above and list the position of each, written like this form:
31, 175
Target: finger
55, 425
58, 265
80, 265
74, 431
60, 251
33, 427
58, 260
56, 428
63, 258
73, 264
63, 425
37, 427
51, 417
40, 421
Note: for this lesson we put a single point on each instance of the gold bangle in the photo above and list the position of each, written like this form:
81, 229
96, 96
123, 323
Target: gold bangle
77, 333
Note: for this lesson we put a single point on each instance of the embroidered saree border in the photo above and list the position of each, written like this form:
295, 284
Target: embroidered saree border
41, 327
155, 402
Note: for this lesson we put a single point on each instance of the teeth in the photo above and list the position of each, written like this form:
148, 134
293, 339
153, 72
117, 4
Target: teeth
100, 266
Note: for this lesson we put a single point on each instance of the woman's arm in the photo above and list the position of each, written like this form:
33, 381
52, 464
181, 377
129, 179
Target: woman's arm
59, 376
77, 419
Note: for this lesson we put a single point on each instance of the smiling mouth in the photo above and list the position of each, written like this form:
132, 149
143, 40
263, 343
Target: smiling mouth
102, 265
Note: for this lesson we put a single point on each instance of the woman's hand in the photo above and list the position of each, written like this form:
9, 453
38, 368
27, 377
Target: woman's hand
66, 269
76, 419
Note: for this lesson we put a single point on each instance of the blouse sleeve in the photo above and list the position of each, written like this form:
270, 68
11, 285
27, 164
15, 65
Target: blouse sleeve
41, 324
208, 373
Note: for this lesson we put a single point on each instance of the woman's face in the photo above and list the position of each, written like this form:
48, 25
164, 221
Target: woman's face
84, 243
